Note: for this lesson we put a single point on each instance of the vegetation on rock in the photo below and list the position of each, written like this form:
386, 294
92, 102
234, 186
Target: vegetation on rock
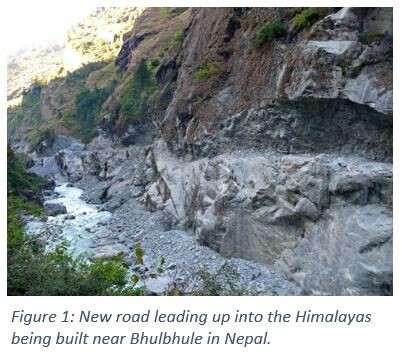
207, 70
28, 113
179, 36
20, 184
223, 282
307, 17
369, 37
268, 33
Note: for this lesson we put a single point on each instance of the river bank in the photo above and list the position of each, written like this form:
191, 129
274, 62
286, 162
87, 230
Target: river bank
114, 226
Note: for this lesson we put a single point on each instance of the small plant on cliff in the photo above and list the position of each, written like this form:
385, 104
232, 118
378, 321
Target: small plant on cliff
307, 17
139, 253
369, 37
268, 33
165, 14
207, 70
179, 36
154, 63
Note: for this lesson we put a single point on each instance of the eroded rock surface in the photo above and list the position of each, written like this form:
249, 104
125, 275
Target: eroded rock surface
324, 220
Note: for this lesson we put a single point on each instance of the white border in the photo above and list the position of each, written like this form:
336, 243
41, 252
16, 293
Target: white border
380, 336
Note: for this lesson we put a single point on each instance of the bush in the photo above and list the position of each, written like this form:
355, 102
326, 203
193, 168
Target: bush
179, 36
268, 33
154, 63
34, 270
307, 17
369, 37
223, 282
208, 70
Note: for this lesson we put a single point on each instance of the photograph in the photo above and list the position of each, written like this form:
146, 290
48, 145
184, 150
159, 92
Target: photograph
200, 151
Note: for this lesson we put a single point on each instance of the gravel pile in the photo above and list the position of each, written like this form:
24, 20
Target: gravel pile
191, 267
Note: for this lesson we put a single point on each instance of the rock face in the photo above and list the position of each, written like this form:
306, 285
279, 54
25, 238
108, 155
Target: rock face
69, 161
117, 172
306, 91
323, 220
297, 140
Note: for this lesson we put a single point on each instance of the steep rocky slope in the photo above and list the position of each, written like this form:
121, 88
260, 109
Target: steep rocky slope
303, 91
323, 219
269, 135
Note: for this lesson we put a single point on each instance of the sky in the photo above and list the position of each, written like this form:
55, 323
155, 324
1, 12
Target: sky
37, 22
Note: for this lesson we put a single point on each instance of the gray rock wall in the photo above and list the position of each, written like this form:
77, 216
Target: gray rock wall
324, 220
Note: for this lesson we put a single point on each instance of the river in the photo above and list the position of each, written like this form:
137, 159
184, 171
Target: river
78, 225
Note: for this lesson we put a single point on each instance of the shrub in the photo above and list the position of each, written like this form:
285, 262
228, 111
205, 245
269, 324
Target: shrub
369, 37
268, 33
223, 282
179, 36
165, 14
139, 253
207, 70
35, 270
154, 63
307, 17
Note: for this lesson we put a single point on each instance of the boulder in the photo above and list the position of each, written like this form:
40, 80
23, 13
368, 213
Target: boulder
159, 286
54, 209
49, 183
109, 251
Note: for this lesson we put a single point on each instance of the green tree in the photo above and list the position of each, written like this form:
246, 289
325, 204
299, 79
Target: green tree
139, 88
